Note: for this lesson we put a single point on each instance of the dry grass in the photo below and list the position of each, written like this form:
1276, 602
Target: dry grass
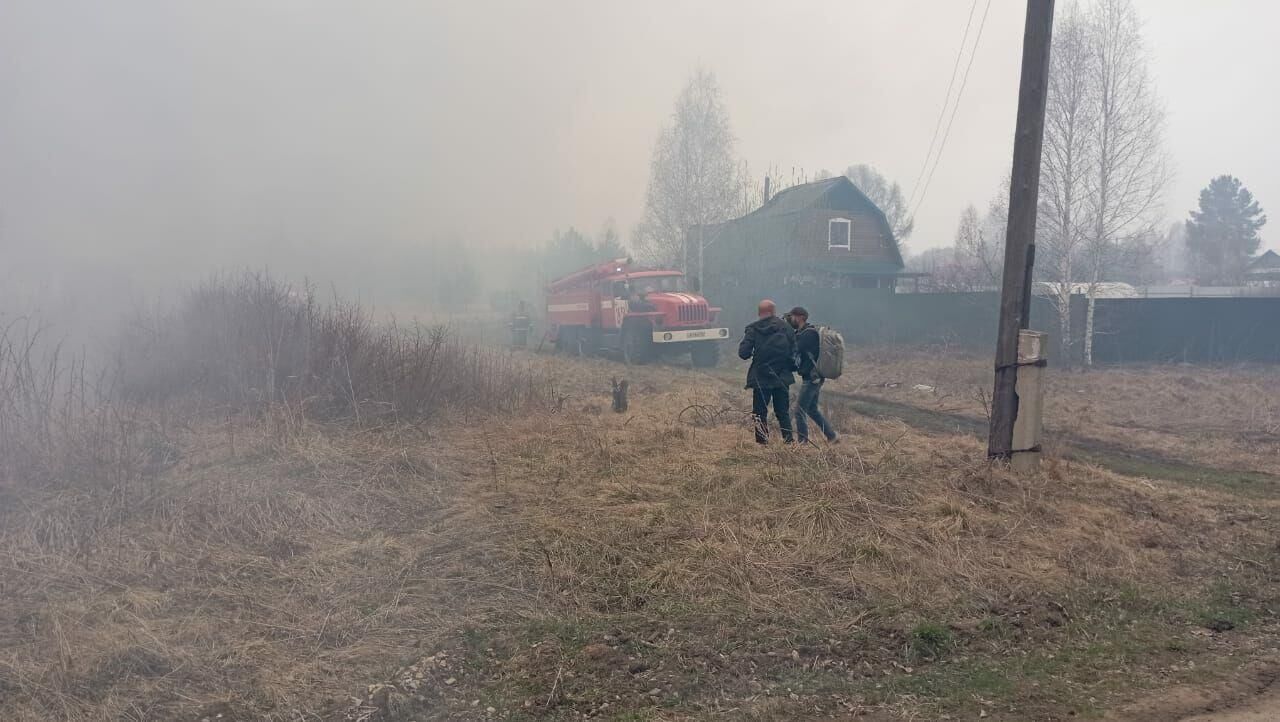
683, 545
894, 515
1216, 416
561, 561
247, 579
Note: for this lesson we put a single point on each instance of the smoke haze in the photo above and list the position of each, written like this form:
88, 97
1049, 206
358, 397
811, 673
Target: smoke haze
153, 141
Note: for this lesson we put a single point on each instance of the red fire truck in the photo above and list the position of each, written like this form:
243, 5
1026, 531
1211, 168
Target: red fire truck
639, 312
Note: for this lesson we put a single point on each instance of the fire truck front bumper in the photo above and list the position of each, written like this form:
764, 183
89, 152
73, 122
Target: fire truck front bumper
694, 334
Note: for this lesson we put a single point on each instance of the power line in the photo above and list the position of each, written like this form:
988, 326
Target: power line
946, 100
964, 80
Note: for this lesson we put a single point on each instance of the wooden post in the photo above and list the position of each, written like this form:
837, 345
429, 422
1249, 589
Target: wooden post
619, 395
1019, 255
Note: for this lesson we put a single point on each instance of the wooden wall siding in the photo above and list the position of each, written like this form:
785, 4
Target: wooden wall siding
867, 241
793, 237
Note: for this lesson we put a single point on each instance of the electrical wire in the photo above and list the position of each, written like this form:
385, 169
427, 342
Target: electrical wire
964, 80
946, 101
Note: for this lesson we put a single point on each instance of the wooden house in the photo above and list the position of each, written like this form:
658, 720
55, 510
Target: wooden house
825, 234
1263, 270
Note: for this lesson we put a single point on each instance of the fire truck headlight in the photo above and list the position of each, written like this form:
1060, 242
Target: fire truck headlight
666, 337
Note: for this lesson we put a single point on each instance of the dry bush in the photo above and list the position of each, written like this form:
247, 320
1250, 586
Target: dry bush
239, 349
250, 341
61, 424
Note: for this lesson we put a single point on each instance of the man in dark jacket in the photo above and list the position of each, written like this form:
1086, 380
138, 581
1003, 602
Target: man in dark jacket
770, 344
808, 345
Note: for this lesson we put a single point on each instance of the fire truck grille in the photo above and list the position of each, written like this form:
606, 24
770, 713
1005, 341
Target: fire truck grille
693, 314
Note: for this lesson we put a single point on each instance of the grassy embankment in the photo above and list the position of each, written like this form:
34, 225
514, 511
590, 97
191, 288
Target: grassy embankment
278, 510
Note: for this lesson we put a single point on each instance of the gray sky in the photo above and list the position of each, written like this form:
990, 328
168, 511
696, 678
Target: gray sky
172, 136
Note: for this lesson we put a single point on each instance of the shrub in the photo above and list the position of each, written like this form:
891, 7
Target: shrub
251, 341
244, 345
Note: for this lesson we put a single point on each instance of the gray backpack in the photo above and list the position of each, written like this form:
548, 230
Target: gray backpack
830, 361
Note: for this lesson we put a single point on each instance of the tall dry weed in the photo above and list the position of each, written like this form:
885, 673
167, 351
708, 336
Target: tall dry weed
250, 341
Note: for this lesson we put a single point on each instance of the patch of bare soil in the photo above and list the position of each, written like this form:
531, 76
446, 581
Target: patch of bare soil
1249, 695
1265, 709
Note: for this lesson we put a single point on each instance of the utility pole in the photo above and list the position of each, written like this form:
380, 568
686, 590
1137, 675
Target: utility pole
1020, 248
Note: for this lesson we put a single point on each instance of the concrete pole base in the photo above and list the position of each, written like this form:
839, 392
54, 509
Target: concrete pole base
1028, 425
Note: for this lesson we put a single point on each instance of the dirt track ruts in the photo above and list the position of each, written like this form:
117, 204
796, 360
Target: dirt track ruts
1116, 457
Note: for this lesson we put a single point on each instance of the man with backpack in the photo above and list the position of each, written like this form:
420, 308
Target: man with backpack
771, 346
809, 347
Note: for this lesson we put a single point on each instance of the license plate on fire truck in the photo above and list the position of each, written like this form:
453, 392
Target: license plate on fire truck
696, 334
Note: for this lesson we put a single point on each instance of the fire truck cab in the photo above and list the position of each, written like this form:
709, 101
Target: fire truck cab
614, 306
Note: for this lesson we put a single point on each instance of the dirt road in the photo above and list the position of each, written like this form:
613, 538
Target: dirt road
1264, 709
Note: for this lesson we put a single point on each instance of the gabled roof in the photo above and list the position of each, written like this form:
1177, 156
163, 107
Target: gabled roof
799, 198
1266, 262
819, 195
815, 194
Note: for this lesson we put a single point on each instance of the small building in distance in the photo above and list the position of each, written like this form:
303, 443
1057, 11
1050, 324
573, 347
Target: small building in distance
1103, 289
1263, 271
824, 234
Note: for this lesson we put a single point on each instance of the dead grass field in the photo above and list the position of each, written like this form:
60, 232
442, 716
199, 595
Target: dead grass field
1220, 417
562, 562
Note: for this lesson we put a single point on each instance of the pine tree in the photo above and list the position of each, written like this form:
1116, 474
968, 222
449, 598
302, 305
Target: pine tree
1223, 234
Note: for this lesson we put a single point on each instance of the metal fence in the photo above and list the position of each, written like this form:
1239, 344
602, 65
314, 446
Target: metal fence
1127, 330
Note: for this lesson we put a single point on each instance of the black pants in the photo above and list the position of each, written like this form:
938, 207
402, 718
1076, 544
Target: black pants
760, 400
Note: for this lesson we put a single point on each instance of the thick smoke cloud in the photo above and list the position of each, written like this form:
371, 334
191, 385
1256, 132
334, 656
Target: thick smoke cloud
148, 141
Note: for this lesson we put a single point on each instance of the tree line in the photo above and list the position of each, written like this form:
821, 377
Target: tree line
1104, 177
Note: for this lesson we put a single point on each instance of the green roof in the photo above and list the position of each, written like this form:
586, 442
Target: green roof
797, 198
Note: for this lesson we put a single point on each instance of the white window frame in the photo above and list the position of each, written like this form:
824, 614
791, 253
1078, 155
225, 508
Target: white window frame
848, 238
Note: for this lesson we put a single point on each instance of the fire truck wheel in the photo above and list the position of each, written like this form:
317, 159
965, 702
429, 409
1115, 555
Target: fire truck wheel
637, 345
705, 355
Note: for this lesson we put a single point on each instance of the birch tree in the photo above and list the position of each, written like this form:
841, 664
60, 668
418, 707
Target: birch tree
693, 177
979, 243
1103, 169
1070, 125
887, 195
1129, 170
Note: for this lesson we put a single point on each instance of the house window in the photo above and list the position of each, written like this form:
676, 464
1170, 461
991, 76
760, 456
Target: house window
838, 233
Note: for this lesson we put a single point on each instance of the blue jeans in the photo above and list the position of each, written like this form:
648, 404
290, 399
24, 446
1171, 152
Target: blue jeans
807, 405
